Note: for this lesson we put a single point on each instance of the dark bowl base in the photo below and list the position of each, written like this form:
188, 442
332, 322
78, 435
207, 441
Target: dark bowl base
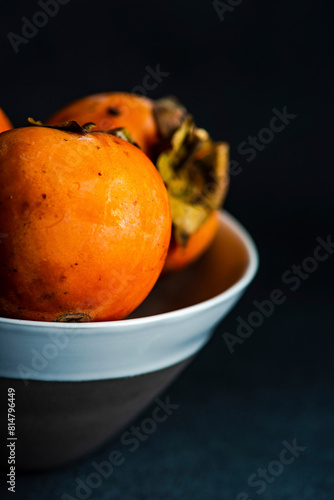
71, 419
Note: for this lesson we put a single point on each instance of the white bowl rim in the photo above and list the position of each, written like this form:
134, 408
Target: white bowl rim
240, 285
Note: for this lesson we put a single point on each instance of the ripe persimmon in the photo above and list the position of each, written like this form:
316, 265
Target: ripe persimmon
5, 123
112, 110
180, 256
193, 167
85, 224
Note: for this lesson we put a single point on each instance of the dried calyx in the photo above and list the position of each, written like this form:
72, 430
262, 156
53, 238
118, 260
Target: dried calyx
122, 133
70, 126
193, 167
87, 128
169, 114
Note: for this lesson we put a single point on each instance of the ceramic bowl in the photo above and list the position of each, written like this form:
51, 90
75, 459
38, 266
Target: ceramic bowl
77, 385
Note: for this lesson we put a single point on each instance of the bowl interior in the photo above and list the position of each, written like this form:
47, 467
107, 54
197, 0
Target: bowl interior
221, 266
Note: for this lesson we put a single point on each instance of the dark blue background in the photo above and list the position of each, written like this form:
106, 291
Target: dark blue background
235, 409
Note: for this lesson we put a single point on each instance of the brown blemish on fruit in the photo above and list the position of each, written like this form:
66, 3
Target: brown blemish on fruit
25, 206
44, 196
47, 296
113, 111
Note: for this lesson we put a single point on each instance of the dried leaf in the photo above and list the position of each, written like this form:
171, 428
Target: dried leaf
195, 171
122, 133
168, 114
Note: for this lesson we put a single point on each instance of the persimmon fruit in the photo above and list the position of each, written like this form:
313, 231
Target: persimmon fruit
85, 224
180, 256
112, 110
193, 167
5, 123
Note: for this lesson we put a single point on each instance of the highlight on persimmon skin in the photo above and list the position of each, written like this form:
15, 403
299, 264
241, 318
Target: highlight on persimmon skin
5, 123
179, 257
112, 110
86, 225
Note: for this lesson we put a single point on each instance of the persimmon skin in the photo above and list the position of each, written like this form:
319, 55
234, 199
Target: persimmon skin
85, 225
5, 123
179, 257
112, 110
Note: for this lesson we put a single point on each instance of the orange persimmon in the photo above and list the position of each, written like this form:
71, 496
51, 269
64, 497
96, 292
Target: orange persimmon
112, 110
5, 123
85, 225
179, 257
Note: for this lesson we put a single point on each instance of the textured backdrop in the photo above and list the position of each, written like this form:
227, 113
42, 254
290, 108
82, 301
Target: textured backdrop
235, 65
